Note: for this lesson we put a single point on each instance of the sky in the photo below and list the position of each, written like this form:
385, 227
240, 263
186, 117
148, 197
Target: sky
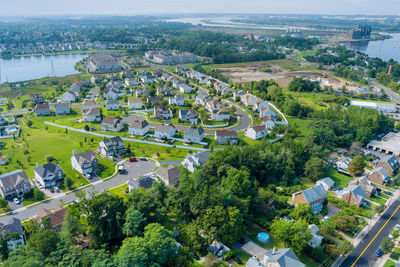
132, 7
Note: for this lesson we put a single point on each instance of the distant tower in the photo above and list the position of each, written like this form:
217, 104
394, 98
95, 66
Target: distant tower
52, 70
0, 74
390, 70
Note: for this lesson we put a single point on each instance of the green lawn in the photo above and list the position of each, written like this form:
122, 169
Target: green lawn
119, 191
377, 199
302, 125
273, 243
389, 263
340, 179
307, 261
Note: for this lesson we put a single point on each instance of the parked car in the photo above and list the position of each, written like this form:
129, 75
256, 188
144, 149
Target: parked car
52, 190
236, 258
88, 176
388, 193
132, 159
242, 240
143, 159
379, 253
16, 200
194, 255
40, 186
57, 189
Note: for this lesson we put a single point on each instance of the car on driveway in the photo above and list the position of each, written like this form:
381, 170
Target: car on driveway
388, 193
132, 159
236, 258
88, 176
143, 159
16, 200
40, 186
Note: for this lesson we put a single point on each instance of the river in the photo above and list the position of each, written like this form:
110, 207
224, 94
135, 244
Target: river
384, 49
35, 67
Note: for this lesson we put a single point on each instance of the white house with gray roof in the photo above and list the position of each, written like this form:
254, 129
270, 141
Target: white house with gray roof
84, 163
193, 161
48, 174
11, 226
194, 135
69, 96
326, 182
14, 184
164, 131
284, 257
62, 108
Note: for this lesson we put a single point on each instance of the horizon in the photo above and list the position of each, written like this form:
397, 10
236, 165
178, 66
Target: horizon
43, 8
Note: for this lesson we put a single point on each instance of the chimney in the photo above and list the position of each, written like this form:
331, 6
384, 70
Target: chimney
74, 152
37, 164
273, 251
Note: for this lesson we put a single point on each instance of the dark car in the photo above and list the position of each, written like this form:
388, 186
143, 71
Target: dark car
388, 193
236, 258
379, 253
194, 255
143, 159
242, 240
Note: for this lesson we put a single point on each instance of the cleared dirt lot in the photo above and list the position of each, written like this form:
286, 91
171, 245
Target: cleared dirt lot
254, 72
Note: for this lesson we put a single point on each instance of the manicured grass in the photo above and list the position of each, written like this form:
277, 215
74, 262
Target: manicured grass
307, 261
389, 263
377, 199
383, 195
340, 179
244, 257
303, 125
119, 191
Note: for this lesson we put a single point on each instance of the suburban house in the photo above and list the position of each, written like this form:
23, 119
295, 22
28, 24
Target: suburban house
192, 161
48, 174
135, 103
188, 116
221, 114
366, 185
165, 91
138, 127
352, 194
89, 104
256, 131
194, 135
110, 94
162, 112
327, 183
313, 196
42, 109
146, 79
145, 182
142, 91
260, 104
185, 88
11, 226
84, 163
113, 147
268, 111
224, 137
62, 108
248, 99
176, 83
202, 99
284, 257
379, 175
177, 100
131, 82
112, 124
92, 115
14, 184
344, 163
112, 104
269, 122
125, 73
77, 87
36, 98
213, 105
316, 238
55, 217
164, 131
390, 163
169, 175
69, 96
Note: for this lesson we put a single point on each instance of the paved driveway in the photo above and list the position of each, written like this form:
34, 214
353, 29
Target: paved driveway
250, 247
133, 170
172, 162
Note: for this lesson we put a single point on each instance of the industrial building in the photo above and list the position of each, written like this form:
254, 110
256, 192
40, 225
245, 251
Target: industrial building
389, 144
383, 107
360, 33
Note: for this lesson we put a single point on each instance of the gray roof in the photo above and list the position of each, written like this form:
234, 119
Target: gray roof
11, 179
314, 193
13, 225
285, 257
201, 156
382, 171
43, 170
62, 105
112, 102
194, 131
144, 181
252, 262
392, 161
328, 181
357, 191
85, 156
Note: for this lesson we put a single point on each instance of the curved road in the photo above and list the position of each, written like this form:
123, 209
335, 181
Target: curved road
133, 170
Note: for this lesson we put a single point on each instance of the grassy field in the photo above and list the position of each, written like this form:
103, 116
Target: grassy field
340, 179
273, 243
303, 125
377, 199
119, 191
389, 263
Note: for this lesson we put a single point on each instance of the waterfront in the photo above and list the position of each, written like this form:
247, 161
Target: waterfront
384, 49
35, 67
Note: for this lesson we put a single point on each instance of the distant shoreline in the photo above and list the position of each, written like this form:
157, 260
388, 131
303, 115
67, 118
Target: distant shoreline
77, 52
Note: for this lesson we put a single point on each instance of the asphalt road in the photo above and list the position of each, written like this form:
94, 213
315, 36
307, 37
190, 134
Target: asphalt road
133, 170
369, 257
392, 95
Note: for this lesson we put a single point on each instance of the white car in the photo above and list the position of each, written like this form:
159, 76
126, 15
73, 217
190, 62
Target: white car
88, 176
16, 200
40, 186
